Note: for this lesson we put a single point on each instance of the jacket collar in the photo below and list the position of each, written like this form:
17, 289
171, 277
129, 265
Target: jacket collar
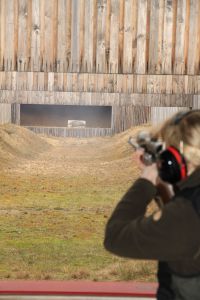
191, 181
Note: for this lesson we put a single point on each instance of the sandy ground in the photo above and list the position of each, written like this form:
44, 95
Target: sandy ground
22, 151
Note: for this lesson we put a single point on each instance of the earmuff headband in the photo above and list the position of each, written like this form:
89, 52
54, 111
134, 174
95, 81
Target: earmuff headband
181, 115
179, 160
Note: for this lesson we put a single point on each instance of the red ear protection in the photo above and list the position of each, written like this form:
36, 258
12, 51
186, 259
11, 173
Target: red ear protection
172, 165
180, 160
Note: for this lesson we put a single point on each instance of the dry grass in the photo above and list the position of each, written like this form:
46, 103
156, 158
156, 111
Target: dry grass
56, 196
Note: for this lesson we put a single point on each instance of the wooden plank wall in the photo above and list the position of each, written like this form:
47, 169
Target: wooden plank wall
196, 102
71, 132
129, 54
15, 113
5, 113
160, 114
100, 36
100, 83
126, 116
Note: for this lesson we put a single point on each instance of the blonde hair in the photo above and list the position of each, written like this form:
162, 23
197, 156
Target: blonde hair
183, 132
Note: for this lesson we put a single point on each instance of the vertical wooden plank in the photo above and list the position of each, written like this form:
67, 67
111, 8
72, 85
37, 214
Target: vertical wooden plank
29, 81
77, 35
14, 82
5, 113
155, 41
114, 37
186, 87
178, 84
69, 82
159, 114
74, 34
8, 80
80, 83
35, 36
22, 34
74, 82
16, 10
60, 82
130, 83
35, 83
121, 36
168, 84
64, 82
101, 31
41, 81
198, 85
100, 83
111, 83
15, 113
29, 34
141, 84
186, 42
196, 102
55, 33
179, 63
124, 84
9, 35
140, 67
5, 78
174, 20
147, 35
49, 35
45, 81
61, 42
89, 36
128, 37
81, 33
42, 29
68, 35
191, 85
55, 84
107, 35
194, 36
1, 81
2, 34
134, 33
24, 22
167, 38
95, 35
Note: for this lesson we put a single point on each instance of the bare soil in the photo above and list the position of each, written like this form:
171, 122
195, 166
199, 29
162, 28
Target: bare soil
107, 159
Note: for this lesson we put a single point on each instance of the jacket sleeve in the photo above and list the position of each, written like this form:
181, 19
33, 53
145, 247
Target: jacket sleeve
130, 234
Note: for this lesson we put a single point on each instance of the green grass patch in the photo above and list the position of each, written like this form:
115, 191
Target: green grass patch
53, 228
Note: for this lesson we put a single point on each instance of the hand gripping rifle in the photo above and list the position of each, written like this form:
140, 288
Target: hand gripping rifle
151, 146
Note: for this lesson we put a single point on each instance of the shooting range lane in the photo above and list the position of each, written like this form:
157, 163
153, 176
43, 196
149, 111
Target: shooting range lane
59, 115
20, 289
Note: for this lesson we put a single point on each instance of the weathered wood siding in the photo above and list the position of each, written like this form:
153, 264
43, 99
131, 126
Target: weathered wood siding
100, 83
15, 113
100, 36
160, 114
129, 54
5, 113
71, 132
196, 102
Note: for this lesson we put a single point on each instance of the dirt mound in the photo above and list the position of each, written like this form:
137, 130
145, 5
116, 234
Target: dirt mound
119, 147
18, 143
